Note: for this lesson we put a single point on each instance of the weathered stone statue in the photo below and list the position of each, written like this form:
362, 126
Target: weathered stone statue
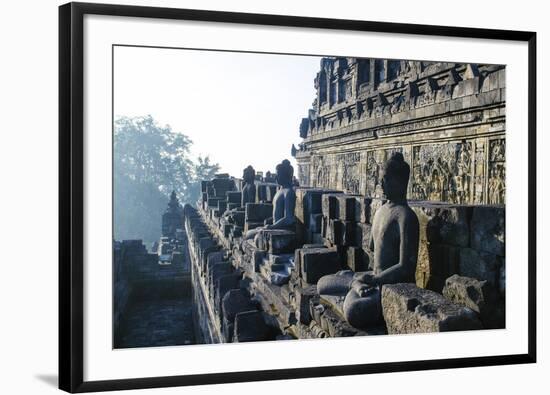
283, 202
172, 219
249, 188
395, 232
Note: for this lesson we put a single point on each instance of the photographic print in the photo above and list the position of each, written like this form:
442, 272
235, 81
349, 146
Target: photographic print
271, 197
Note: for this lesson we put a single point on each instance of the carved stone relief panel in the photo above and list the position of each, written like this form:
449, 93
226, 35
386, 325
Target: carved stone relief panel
320, 172
497, 172
349, 171
442, 172
303, 174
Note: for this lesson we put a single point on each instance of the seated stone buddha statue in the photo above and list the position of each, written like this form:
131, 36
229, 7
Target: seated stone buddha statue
395, 237
284, 202
249, 188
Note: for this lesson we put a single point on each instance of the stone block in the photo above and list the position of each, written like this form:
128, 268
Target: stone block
217, 271
436, 262
222, 206
467, 87
490, 82
330, 206
309, 201
488, 229
238, 218
234, 197
250, 326
409, 309
214, 258
206, 242
203, 256
346, 207
258, 212
451, 225
480, 296
221, 186
362, 209
443, 224
301, 210
480, 265
233, 206
213, 202
315, 223
318, 262
225, 283
279, 241
236, 301
341, 232
348, 234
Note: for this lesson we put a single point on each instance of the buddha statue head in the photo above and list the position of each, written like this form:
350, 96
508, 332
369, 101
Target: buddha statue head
395, 177
249, 174
285, 172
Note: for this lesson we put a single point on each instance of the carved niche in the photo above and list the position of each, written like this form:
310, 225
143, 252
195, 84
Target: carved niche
497, 172
442, 172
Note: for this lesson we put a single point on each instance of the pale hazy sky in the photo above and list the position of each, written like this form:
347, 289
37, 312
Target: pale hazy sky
238, 108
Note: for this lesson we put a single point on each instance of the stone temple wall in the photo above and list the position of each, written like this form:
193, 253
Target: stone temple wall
266, 289
448, 120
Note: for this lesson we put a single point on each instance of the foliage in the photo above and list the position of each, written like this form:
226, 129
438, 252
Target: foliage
149, 162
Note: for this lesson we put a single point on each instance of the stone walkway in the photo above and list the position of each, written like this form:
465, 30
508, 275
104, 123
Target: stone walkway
158, 323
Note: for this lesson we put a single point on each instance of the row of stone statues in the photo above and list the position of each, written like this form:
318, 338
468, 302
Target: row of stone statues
395, 238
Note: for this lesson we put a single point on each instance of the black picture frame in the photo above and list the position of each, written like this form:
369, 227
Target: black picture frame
71, 204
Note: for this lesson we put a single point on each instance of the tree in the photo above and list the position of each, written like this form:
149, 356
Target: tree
149, 162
